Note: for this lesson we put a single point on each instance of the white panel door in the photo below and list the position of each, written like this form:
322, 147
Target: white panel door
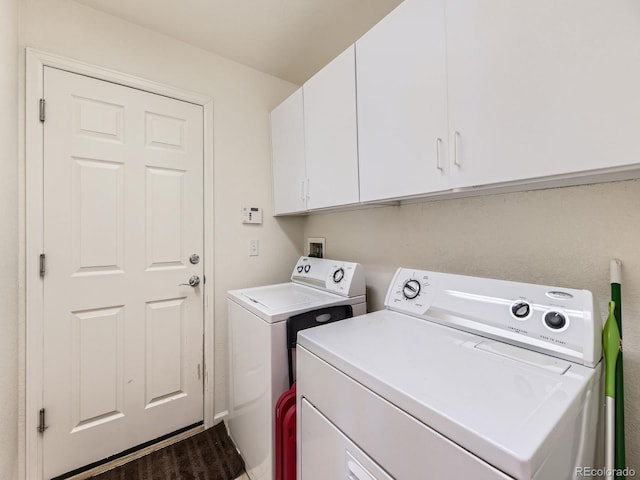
542, 88
123, 212
331, 137
287, 144
402, 103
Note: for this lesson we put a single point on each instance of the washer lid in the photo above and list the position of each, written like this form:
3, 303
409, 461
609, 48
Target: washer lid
507, 405
275, 303
283, 296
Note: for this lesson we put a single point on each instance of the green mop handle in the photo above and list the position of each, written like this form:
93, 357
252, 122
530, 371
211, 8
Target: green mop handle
616, 296
611, 346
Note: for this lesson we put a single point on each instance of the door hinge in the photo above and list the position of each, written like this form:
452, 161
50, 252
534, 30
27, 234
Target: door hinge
43, 267
42, 109
41, 421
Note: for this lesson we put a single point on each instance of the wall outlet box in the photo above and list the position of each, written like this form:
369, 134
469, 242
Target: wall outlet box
252, 215
316, 247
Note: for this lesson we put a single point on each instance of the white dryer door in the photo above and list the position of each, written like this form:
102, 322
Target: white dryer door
327, 453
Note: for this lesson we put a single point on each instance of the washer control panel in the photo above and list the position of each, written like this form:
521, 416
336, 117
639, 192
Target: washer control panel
342, 278
558, 321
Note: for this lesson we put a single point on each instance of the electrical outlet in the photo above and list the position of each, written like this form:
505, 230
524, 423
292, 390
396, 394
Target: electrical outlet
253, 248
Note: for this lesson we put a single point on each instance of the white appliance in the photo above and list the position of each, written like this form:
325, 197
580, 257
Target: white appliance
258, 366
458, 378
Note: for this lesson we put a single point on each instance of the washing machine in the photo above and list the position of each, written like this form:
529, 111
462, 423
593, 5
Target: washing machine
258, 360
458, 377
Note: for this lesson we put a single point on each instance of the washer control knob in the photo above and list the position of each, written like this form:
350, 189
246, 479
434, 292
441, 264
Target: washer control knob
555, 320
521, 309
307, 268
411, 289
338, 275
300, 267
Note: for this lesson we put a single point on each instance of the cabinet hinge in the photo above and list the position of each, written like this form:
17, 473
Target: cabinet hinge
42, 109
41, 421
43, 267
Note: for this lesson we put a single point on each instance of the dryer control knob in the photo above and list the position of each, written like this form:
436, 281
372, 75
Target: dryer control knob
521, 309
555, 320
338, 275
411, 289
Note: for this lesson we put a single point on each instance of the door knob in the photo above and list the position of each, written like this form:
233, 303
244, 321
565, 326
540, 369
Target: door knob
194, 281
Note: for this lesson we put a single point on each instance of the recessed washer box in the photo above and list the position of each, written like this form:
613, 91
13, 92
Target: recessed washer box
316, 247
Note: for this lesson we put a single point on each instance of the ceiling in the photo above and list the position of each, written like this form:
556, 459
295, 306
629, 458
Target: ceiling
290, 39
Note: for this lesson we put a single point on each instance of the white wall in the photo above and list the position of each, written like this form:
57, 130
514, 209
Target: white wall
564, 237
242, 158
8, 239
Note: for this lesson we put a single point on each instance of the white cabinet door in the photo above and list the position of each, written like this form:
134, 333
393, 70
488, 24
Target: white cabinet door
331, 144
542, 88
402, 103
287, 143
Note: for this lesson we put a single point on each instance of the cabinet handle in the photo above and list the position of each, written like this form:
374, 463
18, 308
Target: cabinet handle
438, 164
302, 195
307, 195
456, 135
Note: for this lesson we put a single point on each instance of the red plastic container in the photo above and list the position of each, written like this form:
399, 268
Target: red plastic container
286, 435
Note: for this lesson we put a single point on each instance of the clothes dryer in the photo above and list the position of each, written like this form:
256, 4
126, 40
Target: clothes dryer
459, 377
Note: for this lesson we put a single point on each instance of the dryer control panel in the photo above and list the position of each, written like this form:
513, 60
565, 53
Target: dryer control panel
342, 278
563, 322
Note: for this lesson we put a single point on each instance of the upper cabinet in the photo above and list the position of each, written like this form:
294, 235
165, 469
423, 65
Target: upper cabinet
331, 138
315, 141
402, 103
472, 95
541, 88
287, 143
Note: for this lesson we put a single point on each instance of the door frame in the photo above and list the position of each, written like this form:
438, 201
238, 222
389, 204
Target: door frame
32, 231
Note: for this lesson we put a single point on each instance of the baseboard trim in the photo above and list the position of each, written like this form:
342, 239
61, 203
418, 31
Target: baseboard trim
220, 416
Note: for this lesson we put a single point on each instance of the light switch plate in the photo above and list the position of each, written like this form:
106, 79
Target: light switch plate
254, 248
